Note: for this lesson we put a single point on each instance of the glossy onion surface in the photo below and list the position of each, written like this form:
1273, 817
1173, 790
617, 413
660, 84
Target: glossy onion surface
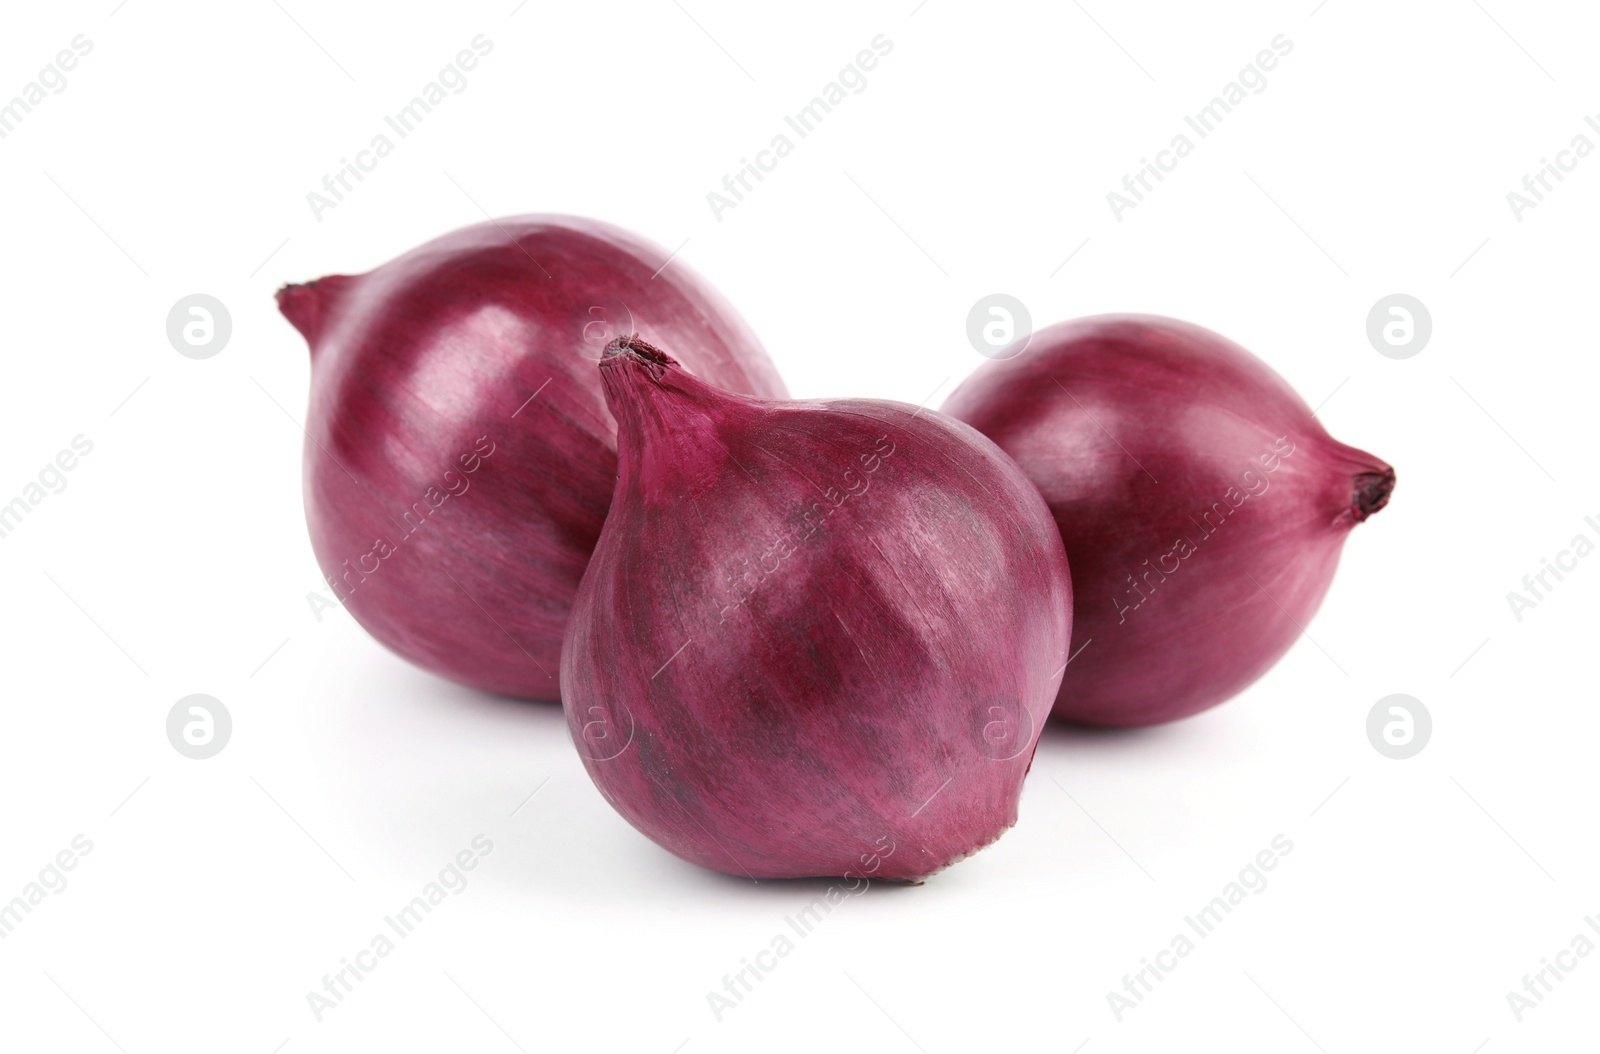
817, 638
1202, 505
459, 457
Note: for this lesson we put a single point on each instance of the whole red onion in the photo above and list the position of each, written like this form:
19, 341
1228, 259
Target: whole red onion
816, 638
1202, 505
459, 458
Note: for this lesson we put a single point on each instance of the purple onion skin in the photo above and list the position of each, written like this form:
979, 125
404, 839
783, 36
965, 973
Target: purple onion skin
421, 366
1135, 428
817, 638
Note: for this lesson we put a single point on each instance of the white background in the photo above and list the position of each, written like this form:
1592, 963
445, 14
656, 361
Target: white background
978, 159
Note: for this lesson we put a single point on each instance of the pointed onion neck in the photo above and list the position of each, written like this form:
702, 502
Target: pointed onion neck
633, 347
1370, 492
307, 305
665, 416
628, 366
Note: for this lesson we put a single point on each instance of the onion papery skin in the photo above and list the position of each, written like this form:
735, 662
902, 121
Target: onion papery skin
459, 458
1145, 433
817, 638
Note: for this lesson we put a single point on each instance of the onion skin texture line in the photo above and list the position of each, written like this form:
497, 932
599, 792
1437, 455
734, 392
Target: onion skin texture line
1202, 505
486, 339
817, 638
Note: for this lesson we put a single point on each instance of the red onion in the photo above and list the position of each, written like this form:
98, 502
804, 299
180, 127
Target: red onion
816, 638
459, 458
1202, 505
